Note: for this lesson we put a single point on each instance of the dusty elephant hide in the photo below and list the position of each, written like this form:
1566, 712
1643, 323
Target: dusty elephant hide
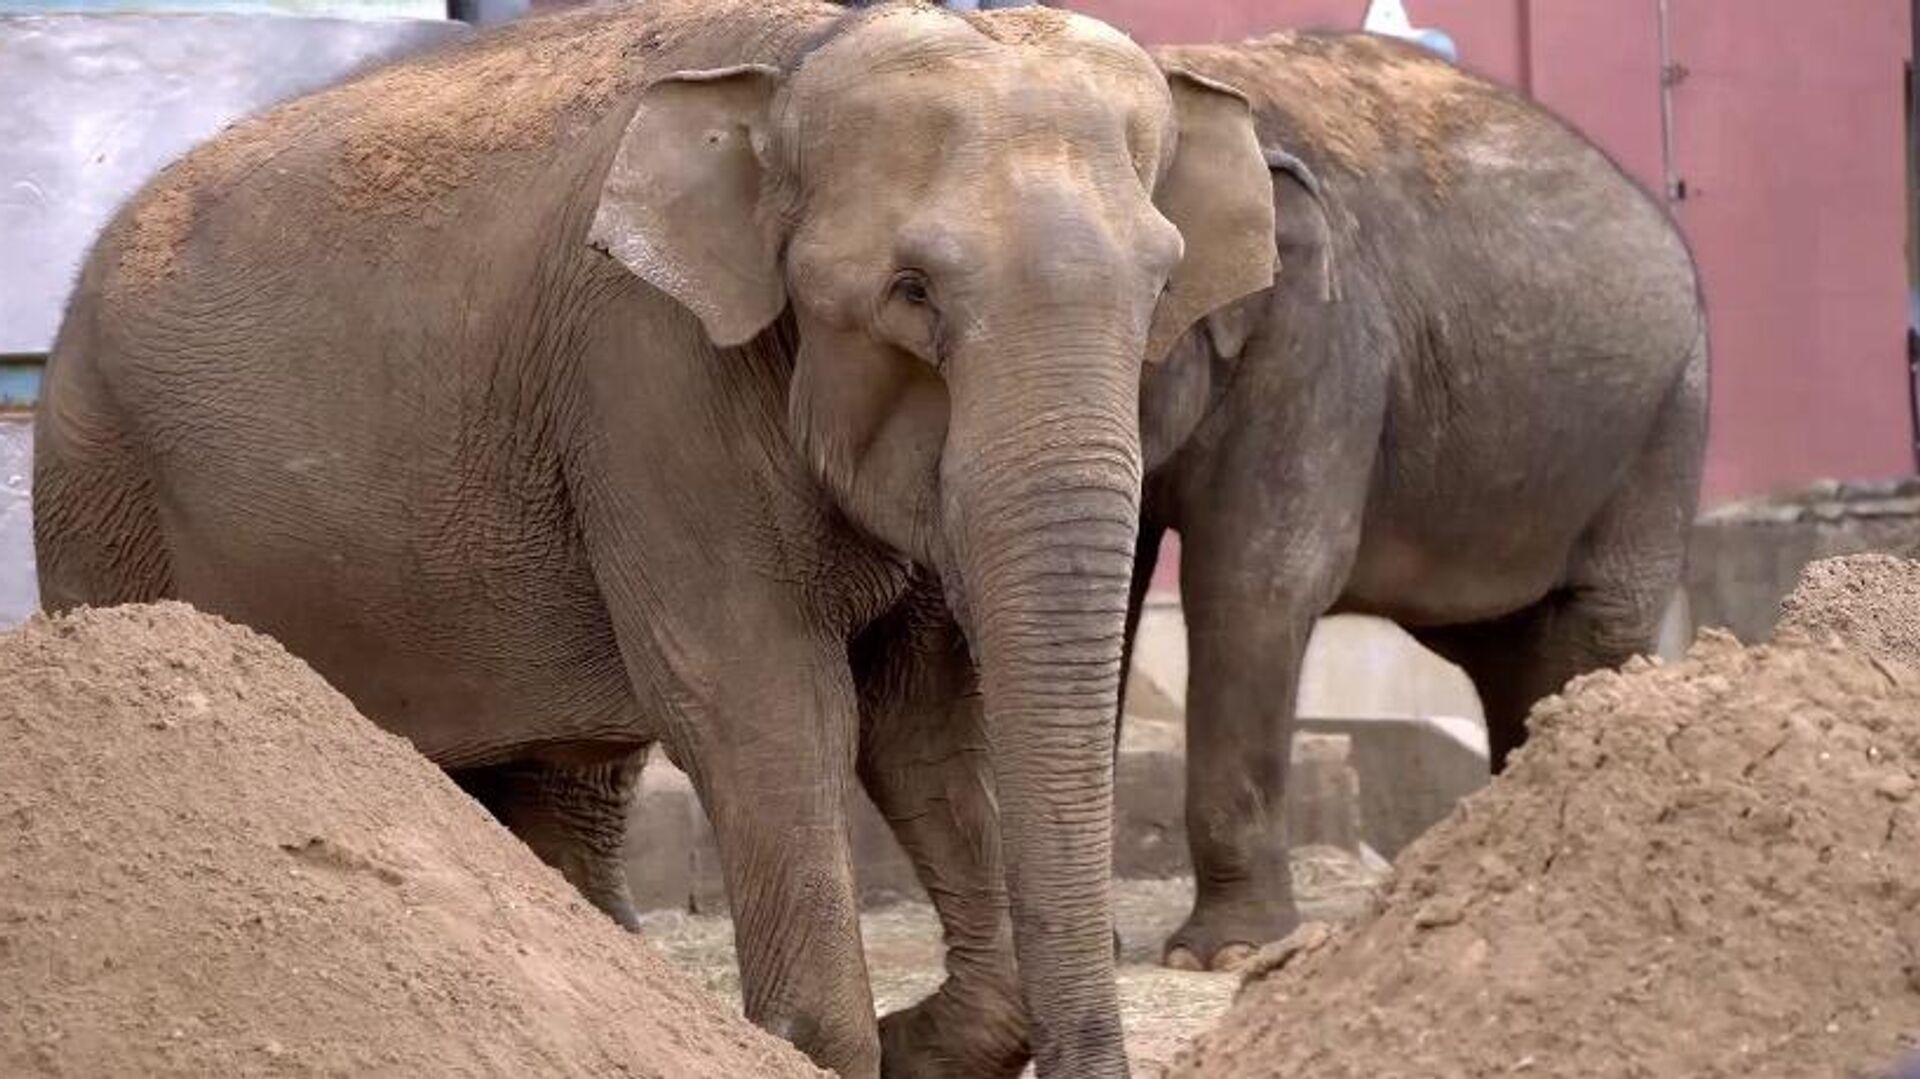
604, 378
1473, 403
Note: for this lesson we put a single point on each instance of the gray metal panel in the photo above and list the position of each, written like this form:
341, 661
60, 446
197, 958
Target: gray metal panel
489, 12
96, 104
340, 9
19, 591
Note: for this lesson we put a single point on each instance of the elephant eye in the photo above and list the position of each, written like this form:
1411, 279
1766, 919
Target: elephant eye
910, 286
908, 317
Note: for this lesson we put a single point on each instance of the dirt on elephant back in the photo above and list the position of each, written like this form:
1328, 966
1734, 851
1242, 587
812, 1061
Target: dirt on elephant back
210, 864
1708, 868
1360, 99
400, 137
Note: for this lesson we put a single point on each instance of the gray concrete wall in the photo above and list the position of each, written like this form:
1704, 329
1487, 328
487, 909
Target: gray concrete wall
1747, 557
1356, 667
673, 864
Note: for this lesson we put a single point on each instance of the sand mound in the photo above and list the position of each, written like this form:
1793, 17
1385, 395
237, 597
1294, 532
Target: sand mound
1710, 868
1871, 601
210, 864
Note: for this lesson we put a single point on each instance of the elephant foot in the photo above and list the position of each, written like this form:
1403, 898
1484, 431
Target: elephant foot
938, 1039
573, 817
620, 909
600, 880
1223, 937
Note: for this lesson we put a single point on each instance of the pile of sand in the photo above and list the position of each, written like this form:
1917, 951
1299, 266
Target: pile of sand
210, 864
1870, 601
1710, 868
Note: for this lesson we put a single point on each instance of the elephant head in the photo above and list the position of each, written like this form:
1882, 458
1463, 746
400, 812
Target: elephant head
978, 225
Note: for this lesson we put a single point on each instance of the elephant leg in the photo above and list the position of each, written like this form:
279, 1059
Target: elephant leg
98, 539
1250, 609
923, 760
1514, 661
574, 817
1146, 557
1244, 663
1267, 542
1608, 612
772, 761
1517, 660
1620, 578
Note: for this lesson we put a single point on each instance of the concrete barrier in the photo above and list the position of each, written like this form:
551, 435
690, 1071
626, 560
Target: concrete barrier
1746, 557
1363, 786
1411, 771
1372, 769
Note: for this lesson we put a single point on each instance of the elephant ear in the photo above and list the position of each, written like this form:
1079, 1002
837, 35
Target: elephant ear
1218, 194
1303, 242
1303, 220
680, 206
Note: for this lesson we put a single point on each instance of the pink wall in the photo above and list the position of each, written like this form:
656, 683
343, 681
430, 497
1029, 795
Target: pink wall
1789, 131
1602, 72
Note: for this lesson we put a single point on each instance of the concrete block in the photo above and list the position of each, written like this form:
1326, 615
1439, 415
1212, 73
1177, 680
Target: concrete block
1362, 668
664, 828
673, 862
1150, 833
1160, 652
1355, 785
1412, 772
1355, 666
1323, 794
1147, 700
709, 894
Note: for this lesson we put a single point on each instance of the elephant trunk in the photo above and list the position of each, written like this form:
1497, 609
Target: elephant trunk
1043, 487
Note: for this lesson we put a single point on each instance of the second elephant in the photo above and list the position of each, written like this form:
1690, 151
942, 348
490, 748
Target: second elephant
1474, 404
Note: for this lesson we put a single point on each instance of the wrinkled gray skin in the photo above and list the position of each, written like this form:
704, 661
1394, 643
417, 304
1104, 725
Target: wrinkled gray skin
617, 404
1474, 404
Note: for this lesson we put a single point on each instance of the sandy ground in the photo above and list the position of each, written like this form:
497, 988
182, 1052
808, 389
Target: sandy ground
1162, 1008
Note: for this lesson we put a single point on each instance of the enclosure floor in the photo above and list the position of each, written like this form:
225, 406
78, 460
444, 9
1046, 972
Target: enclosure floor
1162, 1008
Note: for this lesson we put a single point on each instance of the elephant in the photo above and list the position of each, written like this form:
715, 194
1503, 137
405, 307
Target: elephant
1473, 403
631, 375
